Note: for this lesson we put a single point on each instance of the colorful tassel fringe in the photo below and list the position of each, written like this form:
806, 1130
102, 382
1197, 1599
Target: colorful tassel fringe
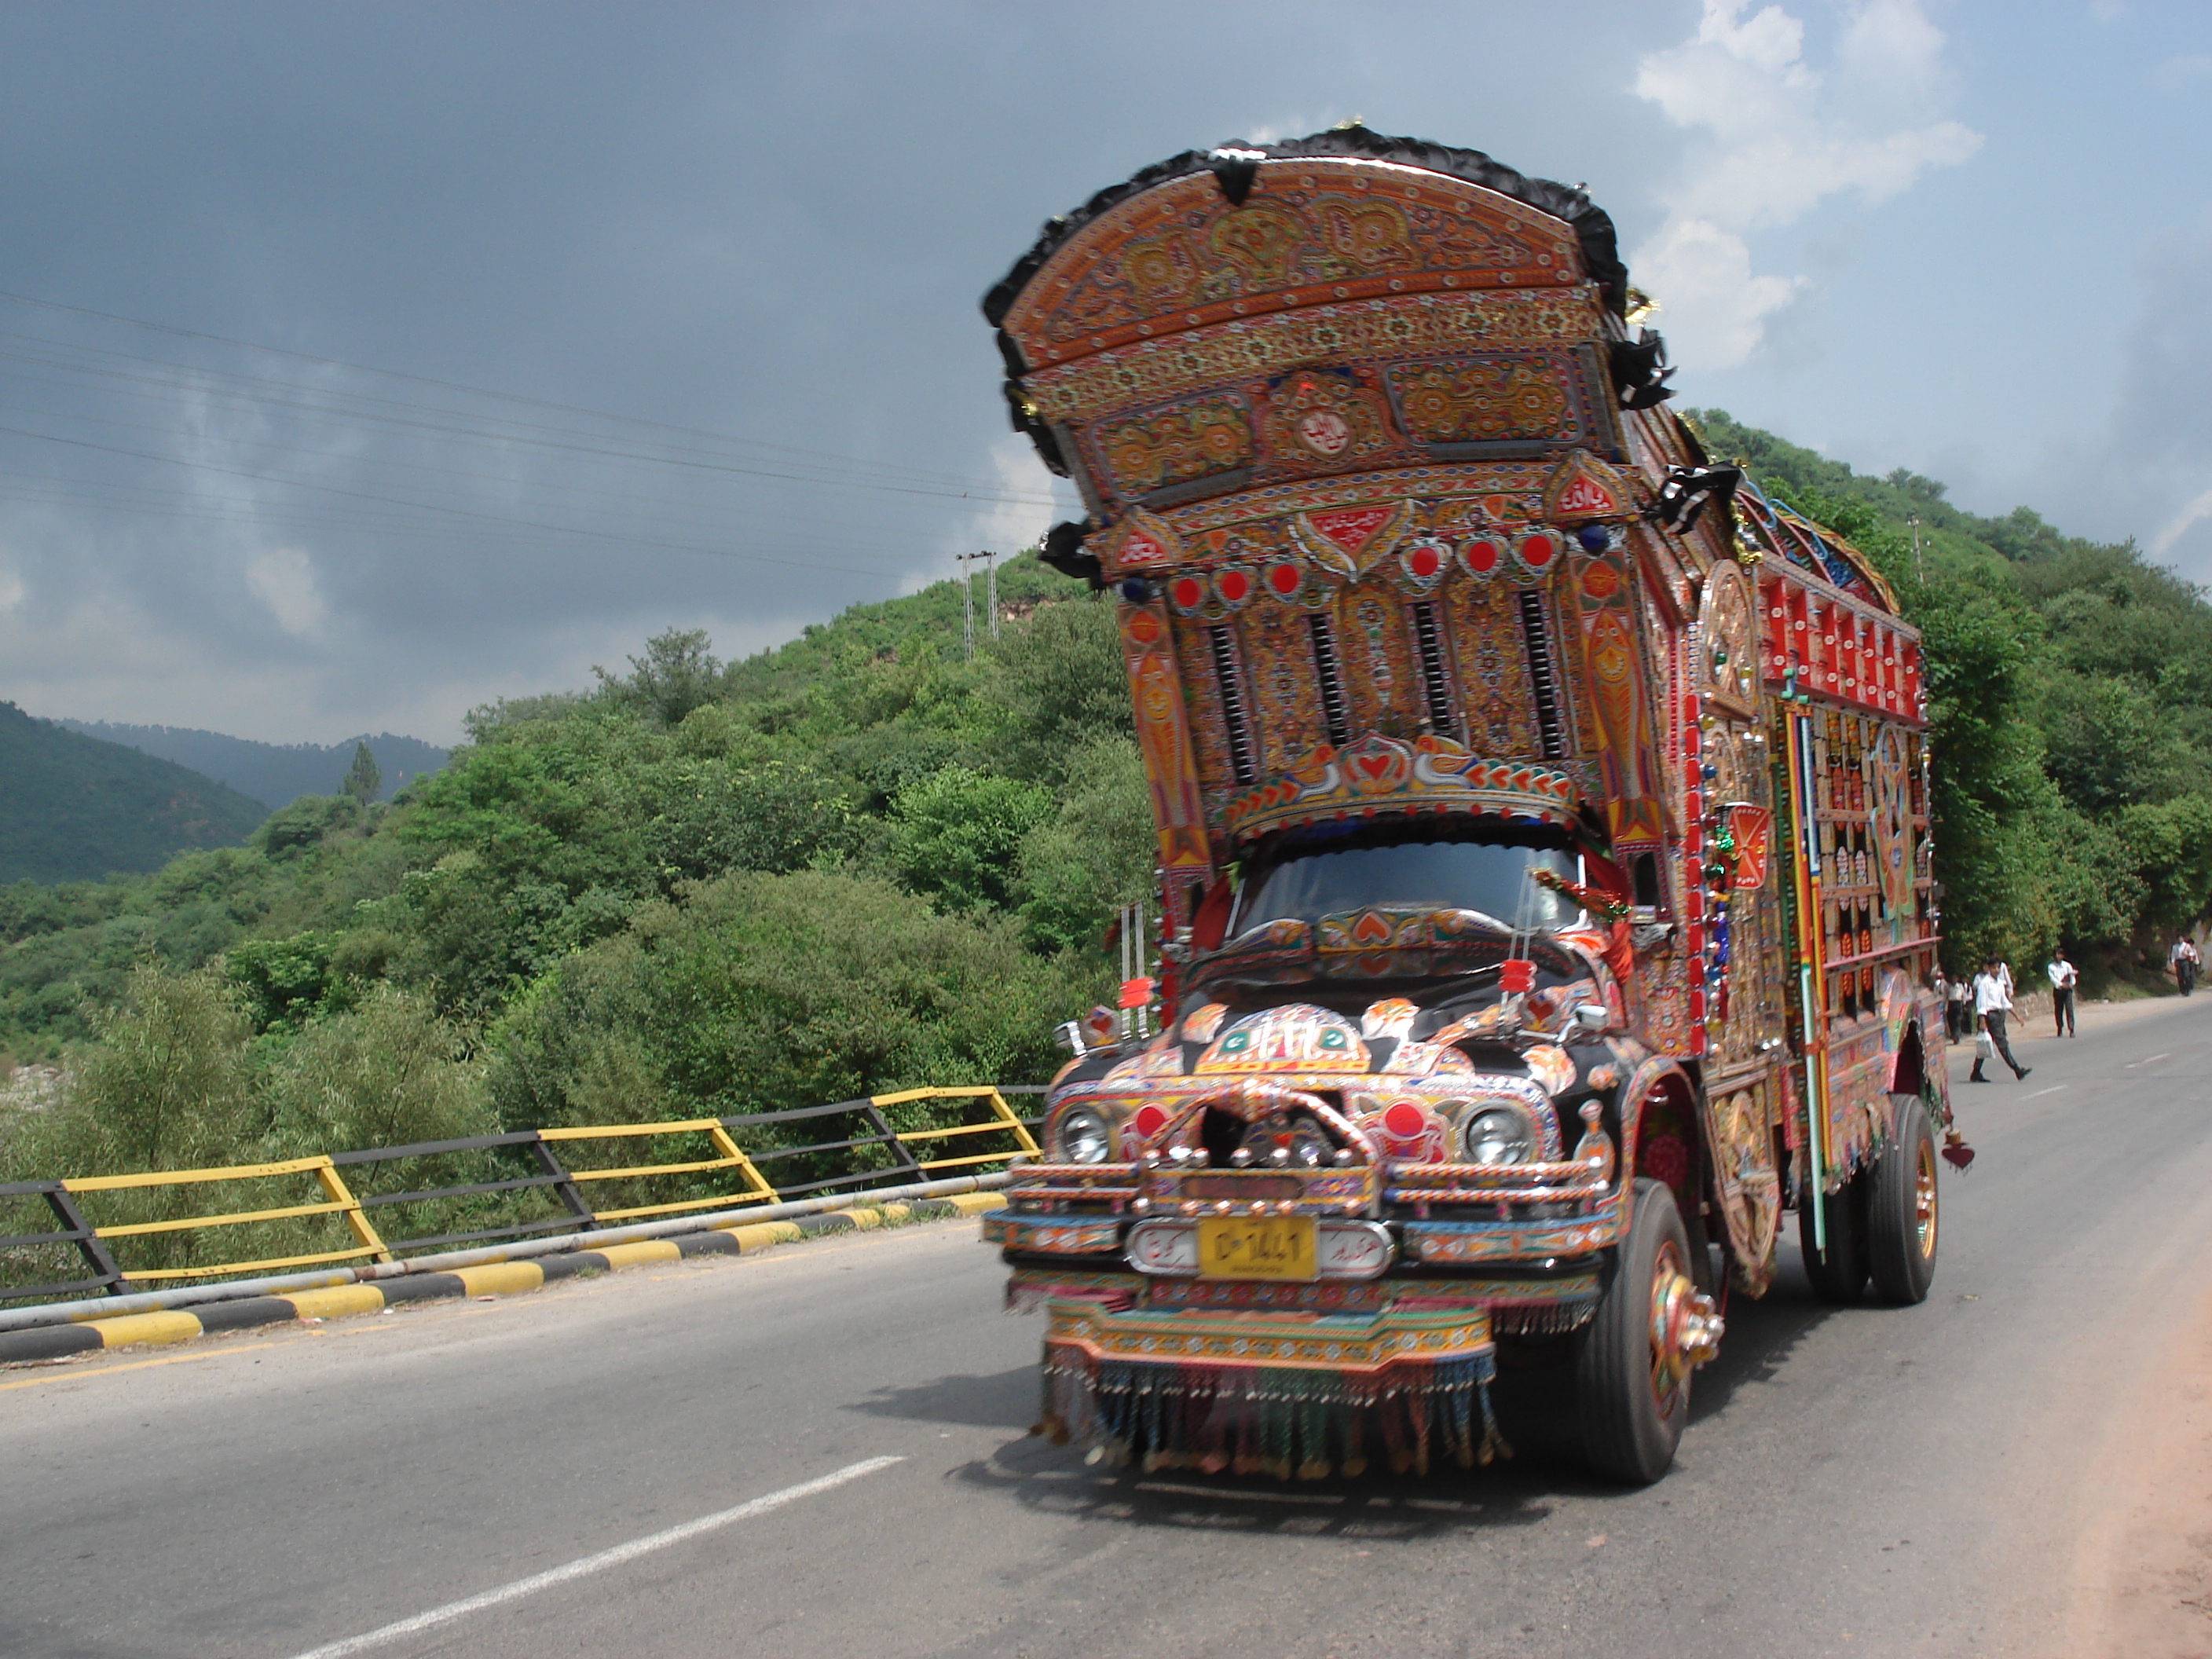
1276, 1421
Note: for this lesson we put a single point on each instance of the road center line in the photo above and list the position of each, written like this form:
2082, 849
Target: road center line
591, 1564
2052, 1089
2151, 1061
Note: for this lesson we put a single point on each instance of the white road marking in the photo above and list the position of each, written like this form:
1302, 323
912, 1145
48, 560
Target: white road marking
591, 1564
2052, 1089
2152, 1060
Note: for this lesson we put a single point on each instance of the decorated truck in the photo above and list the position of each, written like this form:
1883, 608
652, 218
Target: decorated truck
1545, 905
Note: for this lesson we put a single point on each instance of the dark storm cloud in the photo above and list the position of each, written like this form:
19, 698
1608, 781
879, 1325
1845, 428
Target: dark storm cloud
772, 222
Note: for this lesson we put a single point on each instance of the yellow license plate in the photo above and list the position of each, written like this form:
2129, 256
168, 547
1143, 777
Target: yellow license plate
1256, 1246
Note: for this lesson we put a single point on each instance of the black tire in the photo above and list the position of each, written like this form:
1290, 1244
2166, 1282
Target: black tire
1630, 1425
1839, 1273
1902, 1211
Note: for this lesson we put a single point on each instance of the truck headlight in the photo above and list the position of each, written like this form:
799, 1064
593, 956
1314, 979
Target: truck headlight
1084, 1138
1497, 1135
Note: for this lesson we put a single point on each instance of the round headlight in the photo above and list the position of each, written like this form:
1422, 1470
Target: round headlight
1497, 1135
1084, 1138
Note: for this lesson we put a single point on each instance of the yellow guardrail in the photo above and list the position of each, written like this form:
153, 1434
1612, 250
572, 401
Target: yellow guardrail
1003, 1121
338, 1200
757, 1188
750, 1185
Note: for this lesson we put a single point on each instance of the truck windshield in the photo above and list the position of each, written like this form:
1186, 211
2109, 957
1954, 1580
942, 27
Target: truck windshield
1460, 875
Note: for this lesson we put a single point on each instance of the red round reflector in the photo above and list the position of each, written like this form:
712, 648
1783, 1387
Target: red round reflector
1186, 591
1539, 550
1482, 556
1423, 561
1405, 1122
1234, 585
1284, 579
1148, 1121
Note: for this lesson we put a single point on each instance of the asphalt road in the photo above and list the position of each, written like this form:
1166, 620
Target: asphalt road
1856, 1481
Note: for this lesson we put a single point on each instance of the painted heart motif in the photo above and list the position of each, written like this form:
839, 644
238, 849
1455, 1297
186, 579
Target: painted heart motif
1371, 929
1352, 529
1375, 767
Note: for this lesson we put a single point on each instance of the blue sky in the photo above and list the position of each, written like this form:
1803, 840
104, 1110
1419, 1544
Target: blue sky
686, 293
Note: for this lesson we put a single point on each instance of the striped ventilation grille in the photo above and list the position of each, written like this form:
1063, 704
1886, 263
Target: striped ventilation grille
1434, 686
1332, 714
1232, 706
1537, 639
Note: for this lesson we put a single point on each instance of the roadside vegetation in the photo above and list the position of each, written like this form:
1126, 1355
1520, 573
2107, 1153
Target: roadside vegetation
2071, 693
867, 861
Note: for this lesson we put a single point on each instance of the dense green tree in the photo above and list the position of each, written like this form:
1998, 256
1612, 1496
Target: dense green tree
363, 781
957, 834
678, 673
759, 992
1094, 854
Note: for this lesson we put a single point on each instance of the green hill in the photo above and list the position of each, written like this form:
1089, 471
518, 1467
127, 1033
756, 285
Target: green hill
2070, 692
272, 774
76, 808
867, 860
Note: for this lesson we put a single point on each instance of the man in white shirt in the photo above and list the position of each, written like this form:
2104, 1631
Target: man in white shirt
1992, 1002
2063, 978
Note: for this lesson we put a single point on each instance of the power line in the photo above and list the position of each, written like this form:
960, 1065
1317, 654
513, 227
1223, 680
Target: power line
263, 517
424, 380
372, 460
434, 506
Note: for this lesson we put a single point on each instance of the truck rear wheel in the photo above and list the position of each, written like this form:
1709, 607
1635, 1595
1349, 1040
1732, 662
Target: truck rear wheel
1631, 1372
1839, 1273
1901, 1210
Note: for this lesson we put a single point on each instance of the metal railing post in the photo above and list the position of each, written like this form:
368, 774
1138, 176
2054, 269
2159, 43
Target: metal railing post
561, 1183
88, 1243
338, 1193
890, 1138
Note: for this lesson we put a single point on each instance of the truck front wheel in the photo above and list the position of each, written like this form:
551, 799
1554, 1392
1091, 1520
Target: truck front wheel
1901, 1210
1632, 1370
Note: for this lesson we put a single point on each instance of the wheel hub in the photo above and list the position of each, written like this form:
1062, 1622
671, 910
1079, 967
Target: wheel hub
1924, 1200
1686, 1325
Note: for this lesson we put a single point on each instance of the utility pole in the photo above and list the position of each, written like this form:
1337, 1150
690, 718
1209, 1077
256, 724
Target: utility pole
968, 595
1919, 571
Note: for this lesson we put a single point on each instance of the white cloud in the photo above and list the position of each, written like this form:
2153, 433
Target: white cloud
1780, 138
285, 582
1712, 298
2190, 516
11, 590
1008, 526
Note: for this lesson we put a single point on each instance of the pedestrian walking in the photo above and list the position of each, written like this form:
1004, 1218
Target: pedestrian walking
2063, 978
1992, 1002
